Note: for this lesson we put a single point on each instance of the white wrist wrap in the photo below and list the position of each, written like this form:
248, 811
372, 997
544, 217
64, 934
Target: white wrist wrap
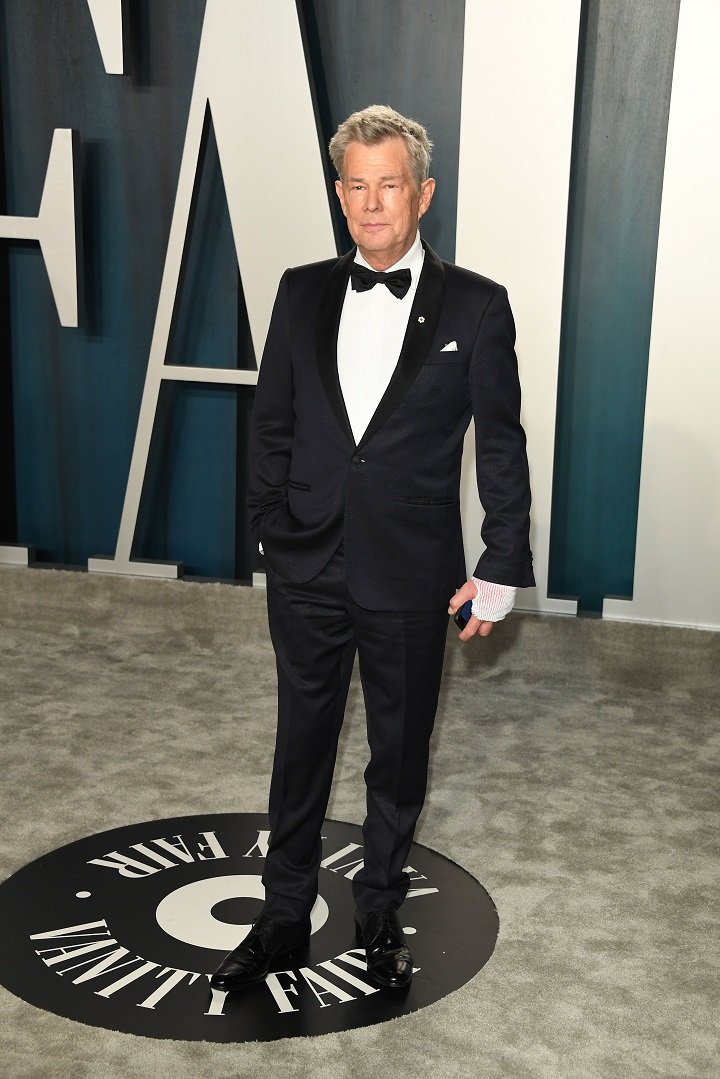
493, 601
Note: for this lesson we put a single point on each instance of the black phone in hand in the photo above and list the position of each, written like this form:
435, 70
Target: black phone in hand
462, 616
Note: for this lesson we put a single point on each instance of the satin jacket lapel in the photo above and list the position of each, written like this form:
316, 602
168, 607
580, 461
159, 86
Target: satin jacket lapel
331, 304
424, 316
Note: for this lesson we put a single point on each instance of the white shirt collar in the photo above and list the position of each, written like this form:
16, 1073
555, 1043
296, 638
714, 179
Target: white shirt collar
412, 260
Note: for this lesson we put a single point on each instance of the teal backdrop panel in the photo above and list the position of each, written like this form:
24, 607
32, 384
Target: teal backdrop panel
76, 392
190, 510
623, 98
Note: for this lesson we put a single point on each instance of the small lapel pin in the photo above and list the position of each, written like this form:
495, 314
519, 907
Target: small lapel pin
421, 318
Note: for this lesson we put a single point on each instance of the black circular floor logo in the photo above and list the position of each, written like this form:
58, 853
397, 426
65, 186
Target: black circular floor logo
123, 929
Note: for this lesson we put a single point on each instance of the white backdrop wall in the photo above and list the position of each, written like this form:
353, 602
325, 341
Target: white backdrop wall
519, 76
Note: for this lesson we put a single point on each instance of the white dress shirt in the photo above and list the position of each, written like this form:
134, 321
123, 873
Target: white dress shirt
372, 329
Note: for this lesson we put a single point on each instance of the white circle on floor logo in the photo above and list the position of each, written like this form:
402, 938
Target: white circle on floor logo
187, 913
124, 928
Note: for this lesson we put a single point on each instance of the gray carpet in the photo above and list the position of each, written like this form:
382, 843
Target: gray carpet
574, 773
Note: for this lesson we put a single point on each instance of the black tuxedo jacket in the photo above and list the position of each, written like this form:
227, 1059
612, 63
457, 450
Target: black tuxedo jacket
393, 497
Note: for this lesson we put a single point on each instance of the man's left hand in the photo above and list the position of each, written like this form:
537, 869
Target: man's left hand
474, 627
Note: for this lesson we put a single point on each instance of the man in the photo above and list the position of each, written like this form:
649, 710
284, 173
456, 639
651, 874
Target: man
367, 386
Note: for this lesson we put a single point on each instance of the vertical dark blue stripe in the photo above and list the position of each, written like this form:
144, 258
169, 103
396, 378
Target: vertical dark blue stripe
187, 513
625, 77
8, 513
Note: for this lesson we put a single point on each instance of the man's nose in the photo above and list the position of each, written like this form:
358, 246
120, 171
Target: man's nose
373, 201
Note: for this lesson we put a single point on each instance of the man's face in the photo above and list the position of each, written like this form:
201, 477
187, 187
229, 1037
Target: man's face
381, 200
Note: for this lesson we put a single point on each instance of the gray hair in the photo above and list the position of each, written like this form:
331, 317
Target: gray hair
377, 123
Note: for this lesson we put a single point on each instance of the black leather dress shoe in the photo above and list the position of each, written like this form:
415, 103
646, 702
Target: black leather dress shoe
250, 961
389, 961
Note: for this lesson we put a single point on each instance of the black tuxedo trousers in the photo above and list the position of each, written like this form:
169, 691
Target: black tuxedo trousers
317, 629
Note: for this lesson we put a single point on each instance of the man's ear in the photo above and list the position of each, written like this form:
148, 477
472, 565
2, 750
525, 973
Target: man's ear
427, 190
339, 191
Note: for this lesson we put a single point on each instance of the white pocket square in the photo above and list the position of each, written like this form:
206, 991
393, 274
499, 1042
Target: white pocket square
451, 346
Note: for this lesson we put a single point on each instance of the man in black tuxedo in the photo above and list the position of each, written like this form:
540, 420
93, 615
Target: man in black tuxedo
373, 366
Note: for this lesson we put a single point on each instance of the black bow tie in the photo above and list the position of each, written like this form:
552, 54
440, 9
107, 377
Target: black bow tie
363, 279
